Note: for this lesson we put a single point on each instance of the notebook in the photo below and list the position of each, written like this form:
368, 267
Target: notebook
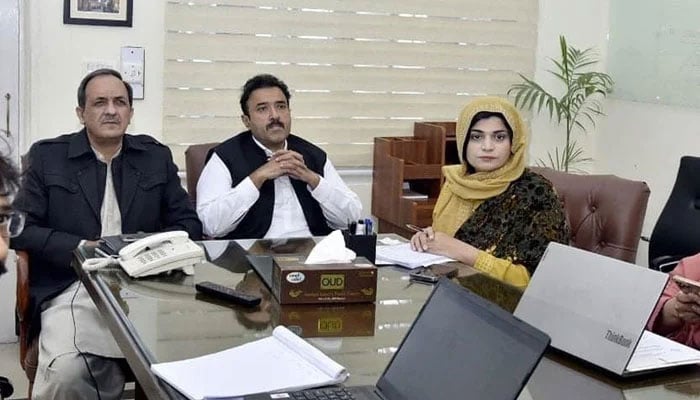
596, 308
402, 255
280, 361
452, 351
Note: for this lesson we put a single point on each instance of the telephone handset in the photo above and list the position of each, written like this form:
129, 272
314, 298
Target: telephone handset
159, 253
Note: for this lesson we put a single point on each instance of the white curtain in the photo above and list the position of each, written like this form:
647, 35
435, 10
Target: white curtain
356, 69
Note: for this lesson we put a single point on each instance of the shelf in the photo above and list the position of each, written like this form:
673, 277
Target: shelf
415, 161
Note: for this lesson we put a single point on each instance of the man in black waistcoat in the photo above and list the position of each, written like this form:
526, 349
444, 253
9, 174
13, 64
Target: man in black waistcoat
266, 182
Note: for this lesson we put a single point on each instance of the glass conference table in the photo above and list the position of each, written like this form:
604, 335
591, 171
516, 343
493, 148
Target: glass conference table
162, 318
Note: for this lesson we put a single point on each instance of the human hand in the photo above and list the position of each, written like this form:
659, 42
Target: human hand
445, 245
678, 310
686, 307
272, 169
419, 241
292, 163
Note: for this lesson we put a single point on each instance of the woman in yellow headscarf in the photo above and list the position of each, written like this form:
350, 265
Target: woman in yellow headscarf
493, 213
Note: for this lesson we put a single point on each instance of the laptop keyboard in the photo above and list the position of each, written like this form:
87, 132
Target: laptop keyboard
335, 393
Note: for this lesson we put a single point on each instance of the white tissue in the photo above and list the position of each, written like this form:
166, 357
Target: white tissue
330, 250
389, 241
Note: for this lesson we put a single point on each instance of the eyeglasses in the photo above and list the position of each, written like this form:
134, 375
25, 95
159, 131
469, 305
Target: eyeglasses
11, 223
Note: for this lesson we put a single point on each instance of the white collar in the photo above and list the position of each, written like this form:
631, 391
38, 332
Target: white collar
267, 151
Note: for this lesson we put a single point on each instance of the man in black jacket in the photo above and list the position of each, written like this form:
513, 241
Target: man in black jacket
79, 187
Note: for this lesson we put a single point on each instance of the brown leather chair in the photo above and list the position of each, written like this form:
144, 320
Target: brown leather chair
605, 212
195, 157
28, 351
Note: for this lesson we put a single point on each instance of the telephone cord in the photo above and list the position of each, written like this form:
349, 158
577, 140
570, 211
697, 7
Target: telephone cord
93, 264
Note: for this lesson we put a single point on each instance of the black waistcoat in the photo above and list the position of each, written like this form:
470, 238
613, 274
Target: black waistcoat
242, 156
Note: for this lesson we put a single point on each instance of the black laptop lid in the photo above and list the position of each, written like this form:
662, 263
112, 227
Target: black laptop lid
462, 347
261, 252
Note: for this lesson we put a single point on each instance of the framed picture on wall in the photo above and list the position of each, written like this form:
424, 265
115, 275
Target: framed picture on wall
98, 12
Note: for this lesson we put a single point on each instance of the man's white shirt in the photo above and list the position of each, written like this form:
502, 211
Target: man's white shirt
221, 208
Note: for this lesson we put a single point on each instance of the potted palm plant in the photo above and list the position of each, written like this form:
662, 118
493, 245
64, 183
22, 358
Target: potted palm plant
578, 105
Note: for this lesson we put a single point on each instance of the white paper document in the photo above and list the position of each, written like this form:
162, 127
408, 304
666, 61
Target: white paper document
401, 254
282, 361
654, 351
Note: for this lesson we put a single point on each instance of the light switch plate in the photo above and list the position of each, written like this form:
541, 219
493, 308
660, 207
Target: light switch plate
90, 65
133, 62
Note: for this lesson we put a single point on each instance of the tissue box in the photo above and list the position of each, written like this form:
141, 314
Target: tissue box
328, 320
294, 282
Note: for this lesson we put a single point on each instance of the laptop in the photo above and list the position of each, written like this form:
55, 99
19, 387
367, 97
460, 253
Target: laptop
596, 308
263, 265
452, 351
260, 255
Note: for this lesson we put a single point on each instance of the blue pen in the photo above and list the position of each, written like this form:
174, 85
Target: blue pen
368, 226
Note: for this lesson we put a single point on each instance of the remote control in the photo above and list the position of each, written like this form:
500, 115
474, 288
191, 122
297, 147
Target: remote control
227, 293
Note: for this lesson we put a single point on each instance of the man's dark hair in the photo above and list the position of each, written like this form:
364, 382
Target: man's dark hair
9, 177
9, 183
259, 82
101, 72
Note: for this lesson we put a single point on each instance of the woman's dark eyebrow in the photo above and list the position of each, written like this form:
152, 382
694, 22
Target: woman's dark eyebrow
496, 131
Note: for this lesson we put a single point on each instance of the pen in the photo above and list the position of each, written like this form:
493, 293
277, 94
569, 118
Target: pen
414, 228
360, 227
368, 226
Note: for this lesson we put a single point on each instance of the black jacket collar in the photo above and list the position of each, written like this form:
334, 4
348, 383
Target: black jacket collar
79, 144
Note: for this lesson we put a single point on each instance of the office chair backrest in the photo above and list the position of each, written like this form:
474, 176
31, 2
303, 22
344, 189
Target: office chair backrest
677, 231
195, 157
605, 213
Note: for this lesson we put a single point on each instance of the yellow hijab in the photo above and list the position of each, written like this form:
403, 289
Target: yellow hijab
463, 192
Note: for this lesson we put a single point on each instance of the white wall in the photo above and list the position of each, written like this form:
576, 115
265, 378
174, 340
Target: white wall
646, 141
635, 140
584, 24
55, 57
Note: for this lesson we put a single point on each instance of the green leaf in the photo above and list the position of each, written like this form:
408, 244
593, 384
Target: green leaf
577, 105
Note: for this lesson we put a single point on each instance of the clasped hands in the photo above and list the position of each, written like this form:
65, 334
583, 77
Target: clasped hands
285, 162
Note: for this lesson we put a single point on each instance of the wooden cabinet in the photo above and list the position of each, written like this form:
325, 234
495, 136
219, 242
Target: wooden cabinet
413, 163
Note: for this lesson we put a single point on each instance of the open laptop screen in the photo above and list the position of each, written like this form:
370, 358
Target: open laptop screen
461, 345
263, 265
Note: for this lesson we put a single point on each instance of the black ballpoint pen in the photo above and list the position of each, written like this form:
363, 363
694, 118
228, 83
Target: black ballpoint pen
414, 228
